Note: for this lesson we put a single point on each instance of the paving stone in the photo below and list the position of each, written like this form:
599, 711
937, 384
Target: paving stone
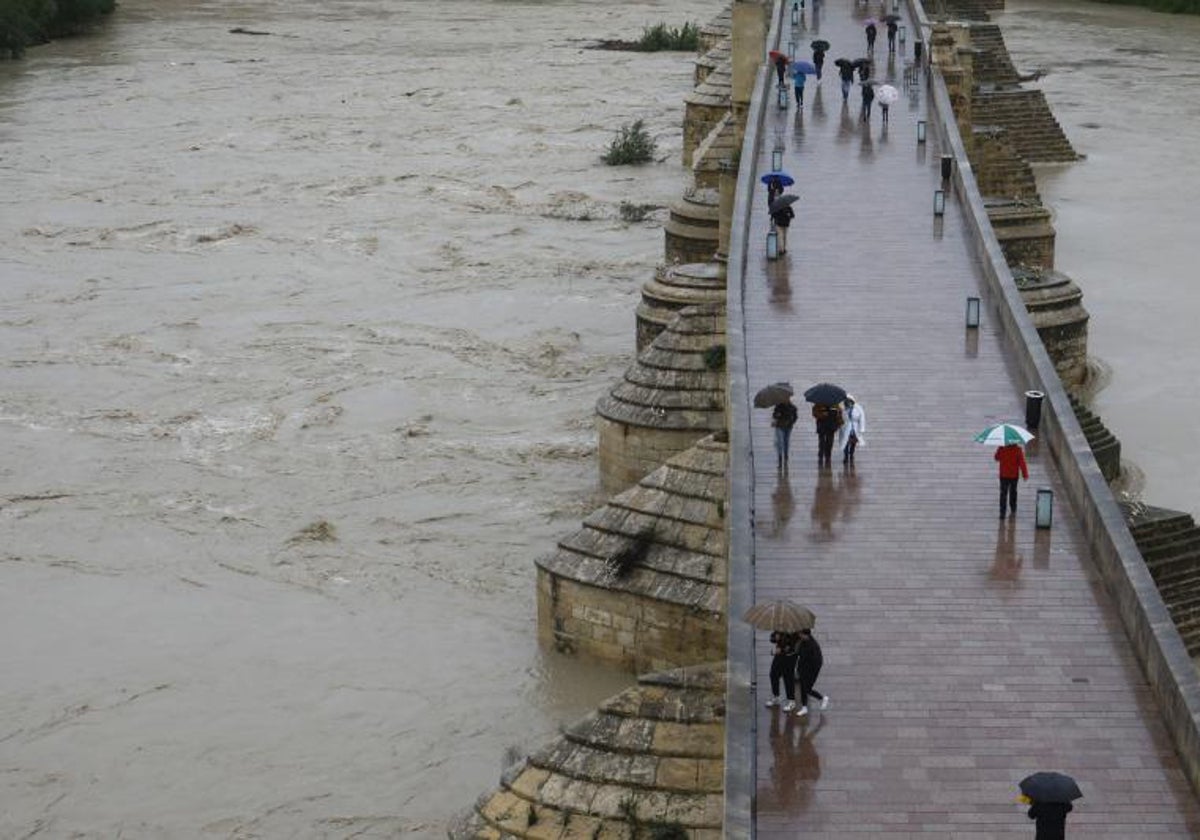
961, 653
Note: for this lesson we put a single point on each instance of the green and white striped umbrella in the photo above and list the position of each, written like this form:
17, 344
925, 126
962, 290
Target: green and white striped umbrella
1002, 434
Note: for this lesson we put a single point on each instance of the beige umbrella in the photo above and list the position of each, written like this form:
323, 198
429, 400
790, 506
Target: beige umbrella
780, 615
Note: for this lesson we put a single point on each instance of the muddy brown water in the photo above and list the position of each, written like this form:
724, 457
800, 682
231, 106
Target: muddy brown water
301, 335
301, 339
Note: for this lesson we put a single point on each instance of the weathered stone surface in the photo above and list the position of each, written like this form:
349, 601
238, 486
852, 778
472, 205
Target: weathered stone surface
1055, 306
668, 399
712, 58
692, 232
706, 106
1024, 231
579, 790
676, 287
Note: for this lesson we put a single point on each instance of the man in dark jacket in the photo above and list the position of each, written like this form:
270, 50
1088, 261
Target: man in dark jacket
782, 218
1051, 819
828, 419
783, 418
809, 660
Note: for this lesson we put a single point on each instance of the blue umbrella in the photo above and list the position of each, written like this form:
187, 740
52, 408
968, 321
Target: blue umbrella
804, 67
781, 176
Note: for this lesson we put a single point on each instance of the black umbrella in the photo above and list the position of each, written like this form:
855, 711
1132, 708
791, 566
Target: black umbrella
782, 202
772, 395
844, 62
825, 393
860, 62
820, 45
892, 19
1050, 787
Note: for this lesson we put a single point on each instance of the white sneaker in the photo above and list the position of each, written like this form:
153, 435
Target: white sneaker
802, 712
774, 701
789, 705
825, 702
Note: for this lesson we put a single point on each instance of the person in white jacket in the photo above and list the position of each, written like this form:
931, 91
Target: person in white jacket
850, 436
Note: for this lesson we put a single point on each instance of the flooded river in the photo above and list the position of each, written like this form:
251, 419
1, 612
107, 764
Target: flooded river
301, 337
1122, 83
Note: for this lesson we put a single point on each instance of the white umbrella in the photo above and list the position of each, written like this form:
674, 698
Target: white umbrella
1003, 434
887, 95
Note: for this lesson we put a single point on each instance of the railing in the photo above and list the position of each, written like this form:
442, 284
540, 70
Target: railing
741, 722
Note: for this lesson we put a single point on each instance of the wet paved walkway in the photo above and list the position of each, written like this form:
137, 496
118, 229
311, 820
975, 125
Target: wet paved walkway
961, 653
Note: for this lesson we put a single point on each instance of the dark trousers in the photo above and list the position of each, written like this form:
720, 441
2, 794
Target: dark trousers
784, 666
848, 451
825, 446
1008, 486
807, 681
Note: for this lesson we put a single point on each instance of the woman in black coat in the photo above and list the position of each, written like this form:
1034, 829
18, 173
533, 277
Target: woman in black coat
809, 660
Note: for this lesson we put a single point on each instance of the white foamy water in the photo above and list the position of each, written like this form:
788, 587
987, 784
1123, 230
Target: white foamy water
301, 336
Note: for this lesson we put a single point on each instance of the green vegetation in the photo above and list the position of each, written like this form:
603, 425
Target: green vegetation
633, 144
714, 357
24, 23
1175, 7
662, 37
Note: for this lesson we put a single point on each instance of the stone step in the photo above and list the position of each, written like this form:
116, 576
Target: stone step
1175, 544
1150, 534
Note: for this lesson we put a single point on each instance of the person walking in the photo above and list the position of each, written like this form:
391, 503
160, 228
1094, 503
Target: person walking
854, 425
783, 665
1012, 467
871, 33
774, 190
781, 64
892, 26
819, 61
782, 219
828, 419
1051, 819
798, 79
868, 96
809, 660
783, 418
846, 74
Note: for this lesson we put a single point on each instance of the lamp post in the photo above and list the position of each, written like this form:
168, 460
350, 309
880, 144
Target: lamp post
772, 244
920, 131
777, 159
972, 313
783, 98
947, 166
903, 33
939, 203
791, 50
795, 13
1044, 509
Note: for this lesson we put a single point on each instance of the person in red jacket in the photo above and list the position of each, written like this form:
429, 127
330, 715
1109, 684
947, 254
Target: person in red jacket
1012, 467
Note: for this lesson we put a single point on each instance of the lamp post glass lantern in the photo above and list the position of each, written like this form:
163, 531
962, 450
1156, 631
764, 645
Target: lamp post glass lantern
972, 312
783, 98
1044, 509
772, 244
791, 50
939, 203
903, 34
776, 159
920, 131
795, 13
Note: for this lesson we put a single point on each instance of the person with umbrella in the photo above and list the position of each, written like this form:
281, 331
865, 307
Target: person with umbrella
783, 418
825, 398
800, 69
819, 49
871, 33
781, 216
785, 620
1010, 456
892, 22
846, 74
809, 660
775, 182
887, 96
863, 66
868, 96
781, 62
1049, 795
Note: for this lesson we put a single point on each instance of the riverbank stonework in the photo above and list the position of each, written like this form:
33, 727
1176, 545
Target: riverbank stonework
648, 763
674, 288
669, 398
642, 583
